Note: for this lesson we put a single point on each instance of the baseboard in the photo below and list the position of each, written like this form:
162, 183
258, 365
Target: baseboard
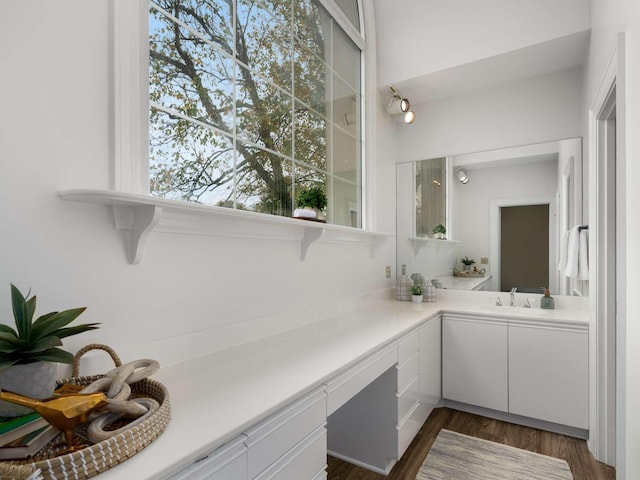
385, 471
517, 419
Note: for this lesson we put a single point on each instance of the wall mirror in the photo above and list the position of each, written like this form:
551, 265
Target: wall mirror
508, 215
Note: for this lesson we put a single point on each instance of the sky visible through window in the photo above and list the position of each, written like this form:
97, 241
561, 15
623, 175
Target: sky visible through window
250, 106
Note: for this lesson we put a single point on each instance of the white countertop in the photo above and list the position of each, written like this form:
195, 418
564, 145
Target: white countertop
451, 282
216, 397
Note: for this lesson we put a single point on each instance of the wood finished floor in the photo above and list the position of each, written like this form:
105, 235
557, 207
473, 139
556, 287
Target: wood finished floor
574, 451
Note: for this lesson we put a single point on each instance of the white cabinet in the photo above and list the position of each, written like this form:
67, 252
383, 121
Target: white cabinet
535, 368
430, 386
548, 374
474, 361
291, 444
228, 462
273, 437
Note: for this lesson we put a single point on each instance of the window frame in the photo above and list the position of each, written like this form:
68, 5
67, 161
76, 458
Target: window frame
130, 169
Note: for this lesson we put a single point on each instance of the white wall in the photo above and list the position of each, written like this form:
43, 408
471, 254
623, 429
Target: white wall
470, 202
55, 134
536, 110
418, 37
608, 18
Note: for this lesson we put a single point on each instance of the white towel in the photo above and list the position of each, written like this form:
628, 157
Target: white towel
562, 262
583, 255
573, 252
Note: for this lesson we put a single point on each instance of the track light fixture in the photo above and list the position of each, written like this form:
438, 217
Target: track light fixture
462, 176
400, 107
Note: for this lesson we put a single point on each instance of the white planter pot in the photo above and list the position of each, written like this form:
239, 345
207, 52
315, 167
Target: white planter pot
35, 380
416, 298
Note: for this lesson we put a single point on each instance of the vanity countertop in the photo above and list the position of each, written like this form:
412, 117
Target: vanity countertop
217, 396
451, 282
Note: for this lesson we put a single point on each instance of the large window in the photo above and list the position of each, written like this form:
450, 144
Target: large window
252, 101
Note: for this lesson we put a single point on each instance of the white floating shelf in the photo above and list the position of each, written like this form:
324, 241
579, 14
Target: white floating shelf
419, 242
140, 215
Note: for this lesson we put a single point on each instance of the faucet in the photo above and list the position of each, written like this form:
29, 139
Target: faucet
527, 304
512, 294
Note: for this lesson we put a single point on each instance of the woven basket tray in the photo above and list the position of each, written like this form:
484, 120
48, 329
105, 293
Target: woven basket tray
96, 458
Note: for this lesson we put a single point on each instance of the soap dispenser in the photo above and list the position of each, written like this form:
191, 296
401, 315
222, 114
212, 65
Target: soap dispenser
547, 300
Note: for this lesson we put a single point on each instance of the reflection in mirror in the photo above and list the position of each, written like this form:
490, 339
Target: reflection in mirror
548, 174
431, 196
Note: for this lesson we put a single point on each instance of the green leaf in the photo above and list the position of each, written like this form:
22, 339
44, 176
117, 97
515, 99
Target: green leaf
67, 332
42, 319
7, 362
6, 347
56, 322
7, 329
12, 339
44, 344
29, 311
53, 355
18, 303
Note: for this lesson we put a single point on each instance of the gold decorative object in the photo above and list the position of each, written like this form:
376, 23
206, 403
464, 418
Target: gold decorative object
89, 458
63, 412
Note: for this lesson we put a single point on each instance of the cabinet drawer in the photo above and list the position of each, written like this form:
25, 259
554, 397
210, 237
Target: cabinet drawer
304, 462
407, 345
409, 428
347, 385
407, 370
276, 435
408, 397
228, 462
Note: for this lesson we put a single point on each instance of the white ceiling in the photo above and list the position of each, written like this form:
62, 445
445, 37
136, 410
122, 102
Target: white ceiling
564, 53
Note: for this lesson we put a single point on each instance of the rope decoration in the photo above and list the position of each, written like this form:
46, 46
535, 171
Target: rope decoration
116, 383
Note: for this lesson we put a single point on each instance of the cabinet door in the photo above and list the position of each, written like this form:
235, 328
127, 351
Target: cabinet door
474, 360
431, 364
548, 375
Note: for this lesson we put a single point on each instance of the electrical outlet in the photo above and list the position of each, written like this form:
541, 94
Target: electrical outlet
387, 271
484, 260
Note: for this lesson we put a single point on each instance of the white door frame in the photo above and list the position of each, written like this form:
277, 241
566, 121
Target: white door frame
495, 227
607, 166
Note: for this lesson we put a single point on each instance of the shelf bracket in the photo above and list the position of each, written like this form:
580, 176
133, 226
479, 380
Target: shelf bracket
311, 234
139, 221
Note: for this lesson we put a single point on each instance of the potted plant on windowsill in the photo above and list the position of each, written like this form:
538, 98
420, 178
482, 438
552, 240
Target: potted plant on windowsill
311, 201
467, 262
439, 232
416, 293
28, 354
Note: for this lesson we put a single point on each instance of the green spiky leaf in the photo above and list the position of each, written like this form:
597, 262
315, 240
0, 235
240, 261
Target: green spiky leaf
34, 341
52, 355
7, 329
56, 322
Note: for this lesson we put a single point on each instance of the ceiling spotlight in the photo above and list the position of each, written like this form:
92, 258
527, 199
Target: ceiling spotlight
400, 107
462, 176
409, 117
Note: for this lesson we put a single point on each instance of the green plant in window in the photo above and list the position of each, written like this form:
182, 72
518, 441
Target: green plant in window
439, 229
312, 197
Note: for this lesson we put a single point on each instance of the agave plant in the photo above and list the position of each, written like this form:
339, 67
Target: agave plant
37, 341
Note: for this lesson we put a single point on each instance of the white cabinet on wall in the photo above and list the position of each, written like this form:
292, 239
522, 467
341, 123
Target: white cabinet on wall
548, 374
474, 361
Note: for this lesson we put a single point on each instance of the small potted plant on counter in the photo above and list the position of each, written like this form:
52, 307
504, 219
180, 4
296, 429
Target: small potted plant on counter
439, 232
416, 294
310, 201
467, 262
28, 354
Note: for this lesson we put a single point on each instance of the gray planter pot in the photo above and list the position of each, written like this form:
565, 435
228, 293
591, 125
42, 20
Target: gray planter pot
35, 380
